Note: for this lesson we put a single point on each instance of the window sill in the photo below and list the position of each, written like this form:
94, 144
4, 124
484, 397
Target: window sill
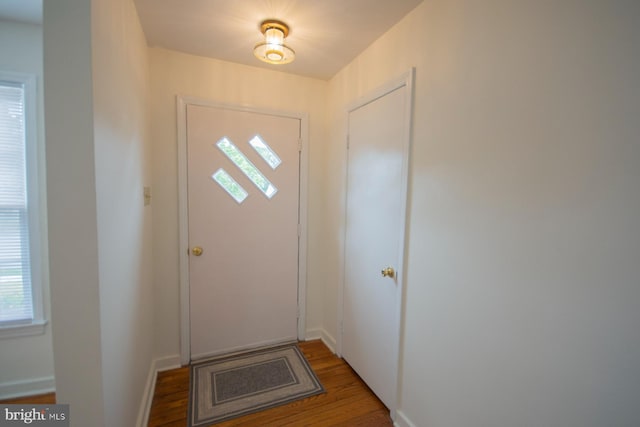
23, 330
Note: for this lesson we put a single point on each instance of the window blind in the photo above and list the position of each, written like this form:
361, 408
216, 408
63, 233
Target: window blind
16, 301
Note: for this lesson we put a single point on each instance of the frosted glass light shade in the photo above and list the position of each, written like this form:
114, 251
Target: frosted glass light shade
273, 50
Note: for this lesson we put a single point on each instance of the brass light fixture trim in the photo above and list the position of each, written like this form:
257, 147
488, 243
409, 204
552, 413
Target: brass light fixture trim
273, 50
273, 23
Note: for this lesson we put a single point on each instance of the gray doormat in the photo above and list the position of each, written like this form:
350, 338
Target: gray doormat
228, 387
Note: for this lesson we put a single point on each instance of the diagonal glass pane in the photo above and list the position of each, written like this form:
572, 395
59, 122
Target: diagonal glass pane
230, 185
240, 160
263, 149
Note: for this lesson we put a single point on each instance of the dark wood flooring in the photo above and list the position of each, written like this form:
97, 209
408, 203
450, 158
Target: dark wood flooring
348, 402
41, 399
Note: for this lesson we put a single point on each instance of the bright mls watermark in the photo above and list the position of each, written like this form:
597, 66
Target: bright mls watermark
34, 415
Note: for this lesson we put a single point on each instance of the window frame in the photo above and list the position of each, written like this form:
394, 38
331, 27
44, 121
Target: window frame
34, 150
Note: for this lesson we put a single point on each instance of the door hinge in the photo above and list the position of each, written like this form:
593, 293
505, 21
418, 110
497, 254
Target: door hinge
299, 230
347, 142
300, 145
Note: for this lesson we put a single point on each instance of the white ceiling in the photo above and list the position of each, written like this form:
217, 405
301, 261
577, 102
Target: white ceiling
326, 34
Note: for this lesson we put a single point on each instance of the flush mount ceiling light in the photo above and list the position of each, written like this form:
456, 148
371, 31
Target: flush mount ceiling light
273, 50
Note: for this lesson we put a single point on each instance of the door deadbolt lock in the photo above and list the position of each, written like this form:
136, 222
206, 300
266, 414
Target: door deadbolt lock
197, 251
388, 272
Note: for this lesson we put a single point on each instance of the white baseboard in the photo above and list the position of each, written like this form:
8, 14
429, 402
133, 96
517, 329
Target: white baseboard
30, 387
329, 341
322, 334
402, 420
158, 365
313, 334
147, 397
166, 363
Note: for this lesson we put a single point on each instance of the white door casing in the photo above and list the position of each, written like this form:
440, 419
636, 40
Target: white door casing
377, 171
247, 287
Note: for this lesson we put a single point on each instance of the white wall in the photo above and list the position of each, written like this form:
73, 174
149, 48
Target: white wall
100, 233
522, 279
71, 195
26, 363
122, 167
523, 292
174, 73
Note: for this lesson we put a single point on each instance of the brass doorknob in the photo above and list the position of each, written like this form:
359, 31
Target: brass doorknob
197, 250
388, 272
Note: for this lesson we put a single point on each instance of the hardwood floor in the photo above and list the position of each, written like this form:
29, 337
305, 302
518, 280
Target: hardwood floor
41, 399
348, 402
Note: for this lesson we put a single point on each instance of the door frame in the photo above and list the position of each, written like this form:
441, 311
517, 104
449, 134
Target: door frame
183, 212
405, 80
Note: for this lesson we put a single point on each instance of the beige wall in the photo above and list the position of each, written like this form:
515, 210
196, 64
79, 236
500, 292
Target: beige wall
71, 197
522, 282
173, 74
123, 168
26, 363
98, 156
522, 296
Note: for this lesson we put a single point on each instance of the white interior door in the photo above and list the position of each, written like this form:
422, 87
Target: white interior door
243, 201
375, 220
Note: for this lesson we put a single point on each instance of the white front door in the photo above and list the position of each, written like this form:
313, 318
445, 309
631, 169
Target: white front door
243, 201
375, 220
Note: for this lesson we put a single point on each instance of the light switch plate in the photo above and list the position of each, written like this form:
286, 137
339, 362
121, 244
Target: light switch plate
147, 196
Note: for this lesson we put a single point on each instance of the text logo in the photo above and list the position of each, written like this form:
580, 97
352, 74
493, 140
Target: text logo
36, 415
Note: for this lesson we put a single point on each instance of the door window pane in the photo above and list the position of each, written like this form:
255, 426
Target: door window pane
240, 160
263, 149
230, 185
